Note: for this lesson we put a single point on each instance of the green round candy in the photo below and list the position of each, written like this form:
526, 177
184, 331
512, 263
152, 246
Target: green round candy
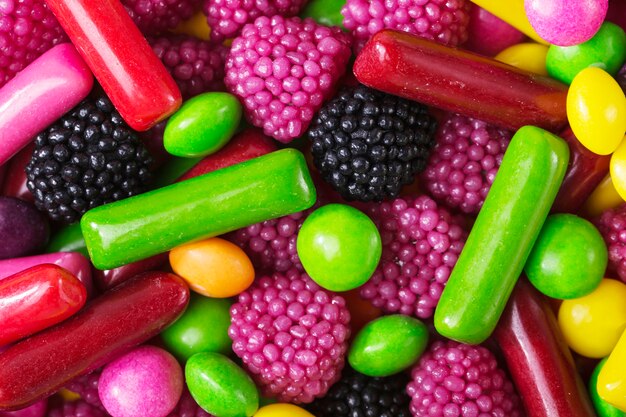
606, 50
339, 247
325, 12
603, 408
202, 328
388, 345
221, 387
203, 125
569, 258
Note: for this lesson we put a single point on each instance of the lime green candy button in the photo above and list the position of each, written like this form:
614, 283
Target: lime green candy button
339, 247
388, 345
221, 387
203, 125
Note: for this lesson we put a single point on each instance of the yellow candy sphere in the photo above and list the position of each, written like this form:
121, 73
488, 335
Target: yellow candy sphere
618, 169
282, 410
604, 197
596, 110
527, 56
593, 324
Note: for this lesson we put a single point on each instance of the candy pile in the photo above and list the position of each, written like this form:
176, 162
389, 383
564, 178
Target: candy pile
292, 208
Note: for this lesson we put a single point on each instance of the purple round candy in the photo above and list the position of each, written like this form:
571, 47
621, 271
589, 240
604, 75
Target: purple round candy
23, 229
36, 410
147, 381
566, 22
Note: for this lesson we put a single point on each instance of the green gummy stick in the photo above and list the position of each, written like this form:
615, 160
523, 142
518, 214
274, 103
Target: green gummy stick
506, 228
262, 188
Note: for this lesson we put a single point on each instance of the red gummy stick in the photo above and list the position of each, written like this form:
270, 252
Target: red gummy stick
122, 318
459, 81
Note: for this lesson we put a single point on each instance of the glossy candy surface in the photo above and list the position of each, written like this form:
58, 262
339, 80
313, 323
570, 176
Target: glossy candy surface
282, 410
270, 186
109, 278
603, 409
502, 236
611, 383
512, 12
326, 12
526, 56
618, 169
488, 34
603, 197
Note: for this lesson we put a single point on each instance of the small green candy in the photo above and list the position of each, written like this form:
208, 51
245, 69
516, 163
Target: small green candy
603, 408
339, 247
325, 12
203, 125
388, 345
606, 50
568, 259
221, 387
68, 239
202, 328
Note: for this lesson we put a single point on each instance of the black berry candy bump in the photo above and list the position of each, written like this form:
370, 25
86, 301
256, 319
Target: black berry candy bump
368, 144
358, 395
88, 158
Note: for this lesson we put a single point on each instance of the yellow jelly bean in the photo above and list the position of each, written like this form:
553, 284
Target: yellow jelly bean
527, 56
612, 378
213, 267
592, 324
596, 110
195, 26
282, 410
618, 169
512, 12
604, 197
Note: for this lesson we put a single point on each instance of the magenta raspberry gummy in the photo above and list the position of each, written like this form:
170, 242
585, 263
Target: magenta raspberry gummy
464, 162
291, 336
282, 69
76, 409
188, 407
444, 21
612, 227
421, 244
156, 16
87, 387
454, 379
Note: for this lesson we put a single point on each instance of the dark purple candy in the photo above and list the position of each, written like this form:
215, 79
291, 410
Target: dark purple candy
23, 229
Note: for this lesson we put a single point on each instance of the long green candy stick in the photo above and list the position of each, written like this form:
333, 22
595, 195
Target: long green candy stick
507, 226
263, 188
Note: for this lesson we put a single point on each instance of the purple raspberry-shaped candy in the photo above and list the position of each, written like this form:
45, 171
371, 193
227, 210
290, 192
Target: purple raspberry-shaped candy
195, 65
454, 379
421, 244
27, 30
188, 407
464, 162
155, 16
612, 226
87, 387
291, 336
282, 69
76, 409
444, 21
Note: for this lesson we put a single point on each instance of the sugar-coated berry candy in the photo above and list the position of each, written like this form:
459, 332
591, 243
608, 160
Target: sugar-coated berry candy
23, 230
282, 410
612, 223
213, 267
603, 408
339, 247
488, 34
196, 26
156, 16
325, 12
566, 22
606, 50
84, 387
148, 381
593, 324
611, 384
76, 408
202, 328
38, 409
618, 169
568, 258
203, 125
596, 110
527, 56
188, 407
388, 345
221, 387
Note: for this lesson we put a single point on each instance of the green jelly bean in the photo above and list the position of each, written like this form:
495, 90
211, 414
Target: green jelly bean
68, 239
325, 12
603, 408
502, 236
203, 125
388, 345
221, 387
253, 191
339, 247
568, 259
606, 50
202, 328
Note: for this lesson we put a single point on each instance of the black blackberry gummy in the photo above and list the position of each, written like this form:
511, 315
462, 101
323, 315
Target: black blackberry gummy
357, 395
87, 158
368, 144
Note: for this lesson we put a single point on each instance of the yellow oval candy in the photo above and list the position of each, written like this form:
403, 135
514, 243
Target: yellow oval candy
612, 379
282, 410
618, 169
604, 197
527, 56
596, 110
593, 324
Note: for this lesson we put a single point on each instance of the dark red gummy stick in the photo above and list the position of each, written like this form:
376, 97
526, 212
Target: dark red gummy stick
538, 358
122, 318
459, 81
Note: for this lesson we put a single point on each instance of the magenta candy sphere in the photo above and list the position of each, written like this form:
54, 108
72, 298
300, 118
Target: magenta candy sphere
147, 381
566, 22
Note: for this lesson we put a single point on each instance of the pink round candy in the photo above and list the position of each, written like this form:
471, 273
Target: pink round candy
566, 22
488, 34
147, 381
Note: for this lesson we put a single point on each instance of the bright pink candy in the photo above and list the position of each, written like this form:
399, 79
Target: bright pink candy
488, 34
40, 94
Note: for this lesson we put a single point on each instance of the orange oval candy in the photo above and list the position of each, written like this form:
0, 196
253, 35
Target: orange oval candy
214, 267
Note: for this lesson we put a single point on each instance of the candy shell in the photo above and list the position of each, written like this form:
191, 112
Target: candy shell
603, 409
23, 229
618, 170
611, 383
604, 197
282, 410
527, 56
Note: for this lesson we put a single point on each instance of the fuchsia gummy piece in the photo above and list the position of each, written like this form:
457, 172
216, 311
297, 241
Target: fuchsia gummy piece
40, 94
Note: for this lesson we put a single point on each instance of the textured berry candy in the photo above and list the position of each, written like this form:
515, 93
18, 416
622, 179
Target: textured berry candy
612, 226
87, 387
444, 21
155, 16
291, 336
454, 379
188, 407
283, 69
464, 162
76, 409
421, 244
